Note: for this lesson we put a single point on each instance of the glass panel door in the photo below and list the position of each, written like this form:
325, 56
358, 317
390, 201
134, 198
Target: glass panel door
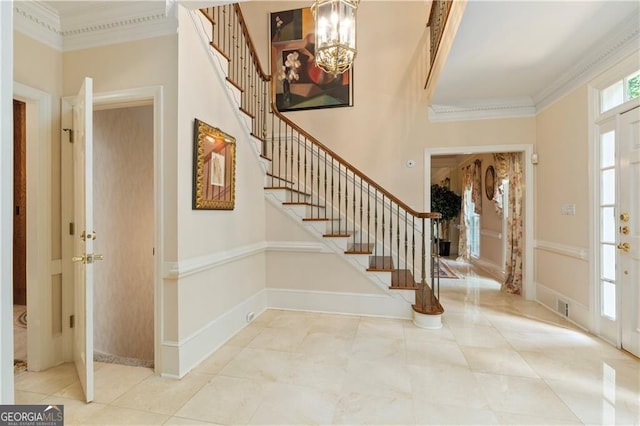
607, 233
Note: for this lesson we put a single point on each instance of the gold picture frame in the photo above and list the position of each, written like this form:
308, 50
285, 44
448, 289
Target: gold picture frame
214, 168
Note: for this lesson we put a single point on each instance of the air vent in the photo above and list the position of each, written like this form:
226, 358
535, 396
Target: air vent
563, 308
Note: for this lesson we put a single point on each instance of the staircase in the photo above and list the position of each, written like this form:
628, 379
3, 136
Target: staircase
350, 213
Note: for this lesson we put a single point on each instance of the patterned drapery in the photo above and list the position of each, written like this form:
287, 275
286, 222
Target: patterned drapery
513, 263
477, 186
464, 251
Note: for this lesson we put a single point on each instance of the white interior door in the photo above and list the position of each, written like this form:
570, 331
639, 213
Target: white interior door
84, 235
629, 229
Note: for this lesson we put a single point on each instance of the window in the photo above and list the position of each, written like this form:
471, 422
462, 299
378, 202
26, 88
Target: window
620, 92
474, 243
607, 236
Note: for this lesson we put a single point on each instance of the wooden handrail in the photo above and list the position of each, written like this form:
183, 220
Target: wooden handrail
335, 191
264, 76
353, 169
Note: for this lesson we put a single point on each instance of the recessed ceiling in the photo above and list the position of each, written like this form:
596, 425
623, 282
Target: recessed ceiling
517, 49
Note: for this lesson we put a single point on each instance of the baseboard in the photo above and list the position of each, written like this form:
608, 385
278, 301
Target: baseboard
195, 348
579, 314
377, 305
491, 268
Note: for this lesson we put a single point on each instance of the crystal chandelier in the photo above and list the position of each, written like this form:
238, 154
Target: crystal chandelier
335, 34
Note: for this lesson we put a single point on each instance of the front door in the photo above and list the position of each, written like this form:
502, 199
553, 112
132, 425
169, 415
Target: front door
83, 239
629, 229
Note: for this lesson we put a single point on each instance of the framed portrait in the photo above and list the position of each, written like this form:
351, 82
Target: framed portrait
214, 168
299, 83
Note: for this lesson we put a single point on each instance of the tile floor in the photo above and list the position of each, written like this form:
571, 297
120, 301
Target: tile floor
497, 360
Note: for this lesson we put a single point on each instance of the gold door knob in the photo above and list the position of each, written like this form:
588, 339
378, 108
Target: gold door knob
624, 230
624, 247
624, 217
78, 259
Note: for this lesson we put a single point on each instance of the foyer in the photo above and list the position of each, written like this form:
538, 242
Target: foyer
290, 367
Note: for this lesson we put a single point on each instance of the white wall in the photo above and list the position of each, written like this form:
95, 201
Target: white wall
124, 210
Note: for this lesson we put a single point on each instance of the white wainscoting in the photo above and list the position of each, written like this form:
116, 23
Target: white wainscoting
579, 314
376, 305
196, 347
187, 353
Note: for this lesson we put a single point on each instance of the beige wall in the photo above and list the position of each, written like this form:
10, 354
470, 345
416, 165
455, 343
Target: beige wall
124, 211
40, 67
141, 63
203, 94
562, 177
389, 117
308, 271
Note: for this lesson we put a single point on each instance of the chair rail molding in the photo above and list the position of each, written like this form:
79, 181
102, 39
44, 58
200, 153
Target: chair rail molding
575, 252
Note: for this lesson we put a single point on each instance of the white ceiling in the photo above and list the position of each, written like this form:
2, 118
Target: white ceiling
508, 58
514, 51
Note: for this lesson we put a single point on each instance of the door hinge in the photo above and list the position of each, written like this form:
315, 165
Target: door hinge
72, 228
72, 321
70, 134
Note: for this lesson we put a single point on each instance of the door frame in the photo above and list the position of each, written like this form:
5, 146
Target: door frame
528, 284
151, 95
6, 203
595, 117
42, 346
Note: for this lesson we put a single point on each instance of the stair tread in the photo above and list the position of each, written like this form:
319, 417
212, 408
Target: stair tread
403, 279
381, 263
265, 158
317, 219
301, 203
287, 188
336, 235
360, 248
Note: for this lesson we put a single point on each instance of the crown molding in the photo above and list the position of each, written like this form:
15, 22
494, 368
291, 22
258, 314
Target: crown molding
39, 22
617, 45
105, 23
614, 47
483, 109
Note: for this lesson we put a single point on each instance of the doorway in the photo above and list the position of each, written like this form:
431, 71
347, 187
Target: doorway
124, 223
528, 287
19, 236
150, 97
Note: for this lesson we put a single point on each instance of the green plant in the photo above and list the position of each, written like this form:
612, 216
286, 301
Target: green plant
447, 203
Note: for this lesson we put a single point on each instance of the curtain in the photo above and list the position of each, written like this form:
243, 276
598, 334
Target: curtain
513, 263
501, 166
464, 252
476, 192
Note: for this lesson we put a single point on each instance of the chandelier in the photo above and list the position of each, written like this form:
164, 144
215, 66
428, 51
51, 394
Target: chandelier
335, 34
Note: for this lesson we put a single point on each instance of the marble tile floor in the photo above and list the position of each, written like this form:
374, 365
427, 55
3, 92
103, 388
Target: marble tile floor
497, 360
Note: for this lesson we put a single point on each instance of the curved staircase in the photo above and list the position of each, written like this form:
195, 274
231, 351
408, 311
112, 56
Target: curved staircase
340, 206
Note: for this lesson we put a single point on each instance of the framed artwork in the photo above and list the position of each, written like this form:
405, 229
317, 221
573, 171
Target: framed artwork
489, 182
299, 83
214, 168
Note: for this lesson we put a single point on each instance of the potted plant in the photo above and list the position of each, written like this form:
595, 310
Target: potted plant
449, 204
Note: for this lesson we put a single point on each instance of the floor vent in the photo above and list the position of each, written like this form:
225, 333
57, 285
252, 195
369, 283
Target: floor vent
563, 308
